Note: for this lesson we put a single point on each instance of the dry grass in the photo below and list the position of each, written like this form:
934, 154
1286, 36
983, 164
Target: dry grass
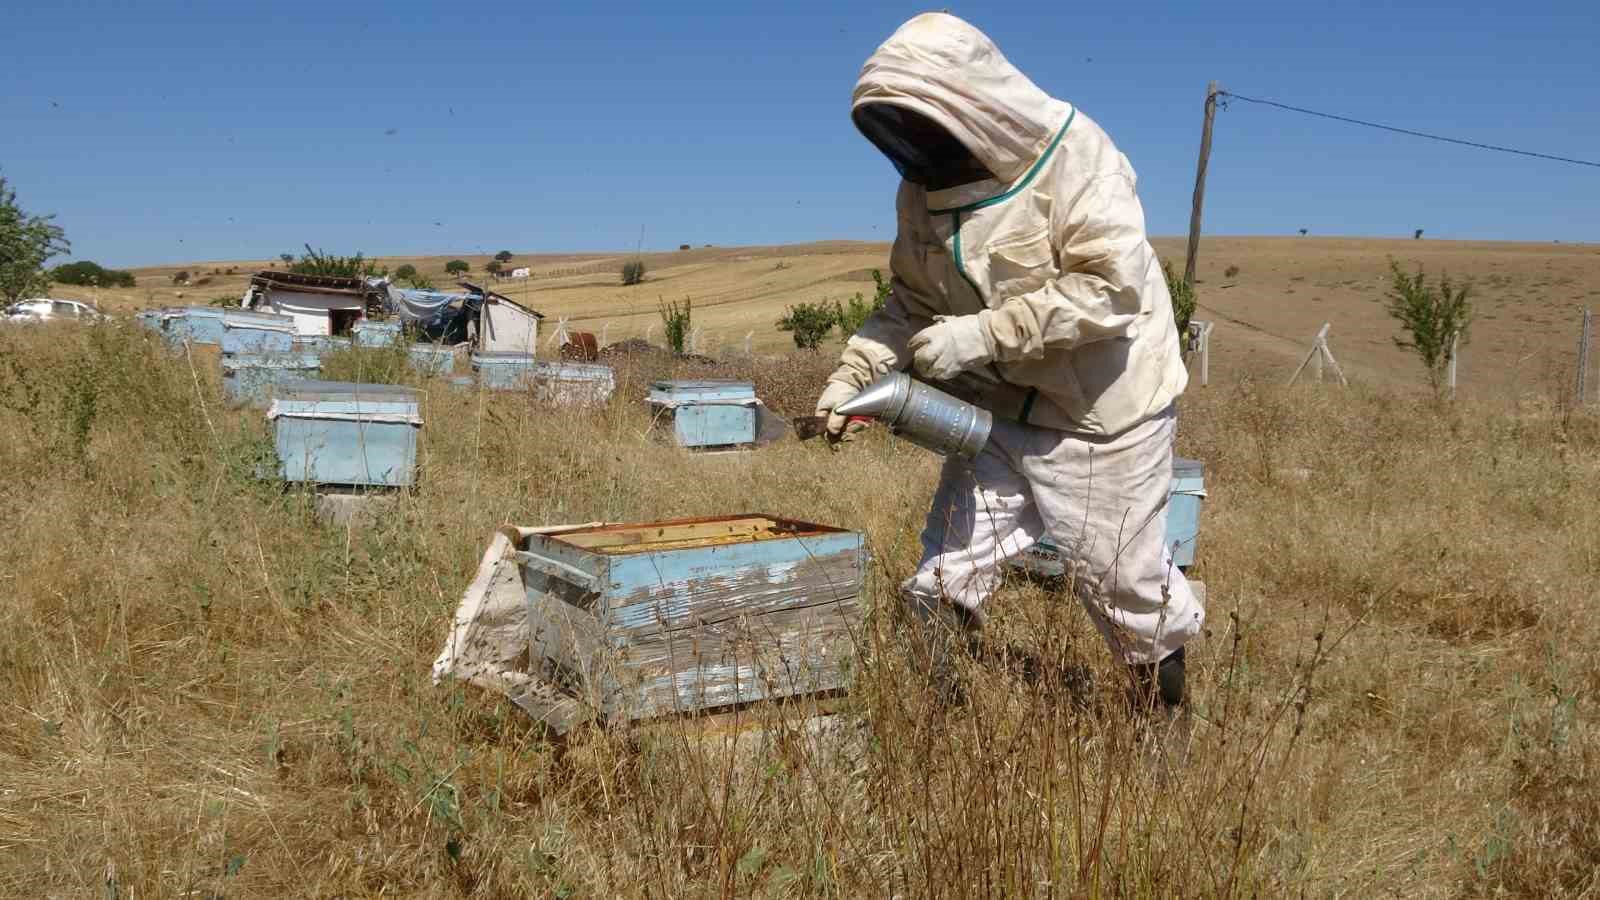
207, 692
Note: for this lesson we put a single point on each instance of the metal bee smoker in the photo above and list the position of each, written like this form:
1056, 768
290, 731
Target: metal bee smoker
923, 415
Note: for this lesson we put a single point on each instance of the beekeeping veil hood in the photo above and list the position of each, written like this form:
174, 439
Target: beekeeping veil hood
943, 69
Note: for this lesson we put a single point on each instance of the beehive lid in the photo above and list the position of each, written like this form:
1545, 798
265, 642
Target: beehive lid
236, 361
502, 358
1188, 476
704, 390
204, 312
244, 318
576, 371
344, 400
370, 325
685, 534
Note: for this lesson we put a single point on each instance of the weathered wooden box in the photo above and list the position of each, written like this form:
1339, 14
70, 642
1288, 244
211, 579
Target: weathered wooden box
372, 333
1183, 523
646, 620
329, 432
707, 412
246, 331
503, 370
573, 384
255, 377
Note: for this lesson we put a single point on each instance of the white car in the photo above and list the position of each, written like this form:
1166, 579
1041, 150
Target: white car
52, 311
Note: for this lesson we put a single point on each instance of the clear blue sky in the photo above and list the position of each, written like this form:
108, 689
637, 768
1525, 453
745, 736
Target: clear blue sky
165, 132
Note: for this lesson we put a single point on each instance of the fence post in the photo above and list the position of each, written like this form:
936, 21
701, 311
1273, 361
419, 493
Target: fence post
1583, 358
1455, 340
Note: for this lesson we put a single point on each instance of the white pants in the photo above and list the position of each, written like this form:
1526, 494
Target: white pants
1102, 501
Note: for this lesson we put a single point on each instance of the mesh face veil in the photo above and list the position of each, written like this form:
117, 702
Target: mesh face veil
921, 151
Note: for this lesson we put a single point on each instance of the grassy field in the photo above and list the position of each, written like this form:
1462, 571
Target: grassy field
1267, 296
208, 693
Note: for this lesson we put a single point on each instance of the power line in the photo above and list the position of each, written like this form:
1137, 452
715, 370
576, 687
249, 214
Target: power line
1420, 134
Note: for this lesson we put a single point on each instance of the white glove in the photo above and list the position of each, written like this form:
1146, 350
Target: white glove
952, 345
839, 427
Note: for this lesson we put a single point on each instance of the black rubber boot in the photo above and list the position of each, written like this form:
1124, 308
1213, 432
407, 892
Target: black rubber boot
1161, 683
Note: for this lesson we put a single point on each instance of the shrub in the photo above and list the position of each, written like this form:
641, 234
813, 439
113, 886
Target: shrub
676, 321
457, 267
851, 317
683, 246
1432, 318
181, 277
407, 271
633, 272
223, 300
1230, 272
319, 262
1183, 301
809, 323
493, 267
89, 273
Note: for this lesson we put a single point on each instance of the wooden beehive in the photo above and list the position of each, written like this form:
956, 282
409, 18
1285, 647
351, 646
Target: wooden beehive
329, 432
646, 620
255, 377
707, 412
247, 332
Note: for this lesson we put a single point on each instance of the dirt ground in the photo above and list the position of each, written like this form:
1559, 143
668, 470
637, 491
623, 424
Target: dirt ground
1529, 298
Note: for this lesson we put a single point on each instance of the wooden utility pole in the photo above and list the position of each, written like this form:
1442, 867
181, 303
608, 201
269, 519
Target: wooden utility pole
1200, 185
1583, 358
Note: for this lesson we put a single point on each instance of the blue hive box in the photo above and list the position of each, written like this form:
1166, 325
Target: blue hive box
504, 371
1183, 524
370, 333
707, 412
246, 331
320, 343
431, 360
254, 377
196, 325
329, 432
638, 621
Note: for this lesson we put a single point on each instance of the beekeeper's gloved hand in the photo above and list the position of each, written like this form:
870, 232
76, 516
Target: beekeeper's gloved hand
952, 345
842, 386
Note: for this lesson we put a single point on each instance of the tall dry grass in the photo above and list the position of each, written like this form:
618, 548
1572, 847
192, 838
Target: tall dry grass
208, 693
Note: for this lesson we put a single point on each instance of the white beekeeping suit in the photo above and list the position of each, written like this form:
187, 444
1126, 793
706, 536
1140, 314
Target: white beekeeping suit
1022, 273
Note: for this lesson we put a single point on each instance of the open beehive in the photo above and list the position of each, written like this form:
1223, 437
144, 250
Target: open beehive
638, 621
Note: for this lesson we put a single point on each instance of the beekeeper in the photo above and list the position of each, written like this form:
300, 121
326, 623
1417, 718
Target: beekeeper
1023, 280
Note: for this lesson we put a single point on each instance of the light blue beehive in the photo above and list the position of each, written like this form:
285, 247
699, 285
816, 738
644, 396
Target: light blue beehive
692, 614
254, 377
337, 433
195, 324
371, 333
1183, 523
503, 371
431, 360
247, 331
707, 412
320, 343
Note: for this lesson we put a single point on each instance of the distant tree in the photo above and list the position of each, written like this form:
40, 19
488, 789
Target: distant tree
1436, 320
457, 267
288, 258
683, 246
1417, 236
633, 272
180, 277
407, 272
504, 256
26, 243
493, 267
88, 273
1302, 232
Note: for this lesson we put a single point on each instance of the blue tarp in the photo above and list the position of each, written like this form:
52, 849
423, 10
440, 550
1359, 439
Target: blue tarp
438, 314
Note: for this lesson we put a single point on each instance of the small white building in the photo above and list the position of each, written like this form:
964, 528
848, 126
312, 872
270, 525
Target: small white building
319, 304
523, 272
505, 325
